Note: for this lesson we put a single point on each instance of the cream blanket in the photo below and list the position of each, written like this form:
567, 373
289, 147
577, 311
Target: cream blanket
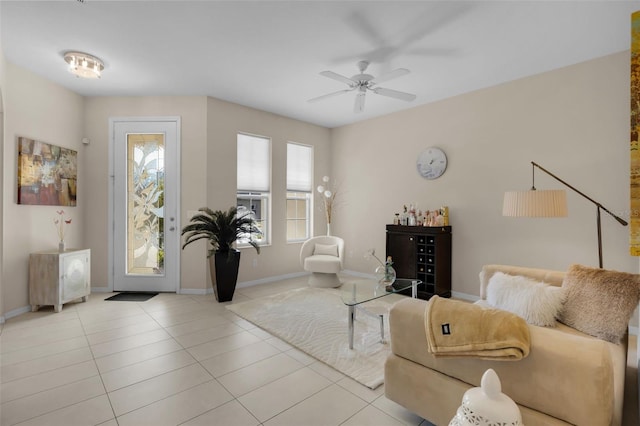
460, 329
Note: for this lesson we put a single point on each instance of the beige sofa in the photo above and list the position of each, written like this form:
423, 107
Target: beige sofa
568, 378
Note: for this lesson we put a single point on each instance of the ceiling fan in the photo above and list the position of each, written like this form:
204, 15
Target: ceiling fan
366, 82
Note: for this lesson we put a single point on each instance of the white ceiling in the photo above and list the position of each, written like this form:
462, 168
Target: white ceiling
268, 54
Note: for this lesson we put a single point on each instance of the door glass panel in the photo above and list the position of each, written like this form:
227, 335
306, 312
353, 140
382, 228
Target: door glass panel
145, 206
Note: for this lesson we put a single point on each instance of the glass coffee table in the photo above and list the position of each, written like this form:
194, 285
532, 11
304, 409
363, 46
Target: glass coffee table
358, 292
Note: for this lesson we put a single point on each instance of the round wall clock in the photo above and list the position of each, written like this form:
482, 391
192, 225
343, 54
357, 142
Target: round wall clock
431, 163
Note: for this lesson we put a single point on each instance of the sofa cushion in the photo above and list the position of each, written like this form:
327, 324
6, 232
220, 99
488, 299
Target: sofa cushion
535, 301
560, 363
600, 302
326, 249
322, 263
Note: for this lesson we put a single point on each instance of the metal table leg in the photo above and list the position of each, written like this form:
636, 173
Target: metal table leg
378, 316
352, 316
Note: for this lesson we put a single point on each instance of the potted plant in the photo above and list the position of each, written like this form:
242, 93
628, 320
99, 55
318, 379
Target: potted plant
222, 229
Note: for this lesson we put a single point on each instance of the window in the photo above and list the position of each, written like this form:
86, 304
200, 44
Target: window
299, 177
254, 182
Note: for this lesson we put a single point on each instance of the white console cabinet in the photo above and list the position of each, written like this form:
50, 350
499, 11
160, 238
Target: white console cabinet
56, 278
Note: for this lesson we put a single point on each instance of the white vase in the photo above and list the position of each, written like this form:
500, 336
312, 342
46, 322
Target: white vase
328, 229
487, 405
61, 246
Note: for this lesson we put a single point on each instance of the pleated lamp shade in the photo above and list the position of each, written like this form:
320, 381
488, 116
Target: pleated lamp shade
535, 203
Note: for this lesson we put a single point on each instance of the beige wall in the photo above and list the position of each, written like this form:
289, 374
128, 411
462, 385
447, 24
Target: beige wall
208, 174
573, 121
192, 111
224, 122
37, 109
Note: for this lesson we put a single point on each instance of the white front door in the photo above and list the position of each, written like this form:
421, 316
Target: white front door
145, 239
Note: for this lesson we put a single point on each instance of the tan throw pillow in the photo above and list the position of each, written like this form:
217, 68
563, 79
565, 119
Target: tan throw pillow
599, 302
326, 249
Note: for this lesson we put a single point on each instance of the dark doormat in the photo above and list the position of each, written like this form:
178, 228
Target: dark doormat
132, 296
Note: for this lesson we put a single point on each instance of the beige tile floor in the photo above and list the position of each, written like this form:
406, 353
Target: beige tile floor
175, 360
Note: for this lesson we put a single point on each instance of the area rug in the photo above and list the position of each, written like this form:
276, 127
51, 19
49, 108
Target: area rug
132, 296
314, 320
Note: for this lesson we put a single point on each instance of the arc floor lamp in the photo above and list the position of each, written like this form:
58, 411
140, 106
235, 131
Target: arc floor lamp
549, 203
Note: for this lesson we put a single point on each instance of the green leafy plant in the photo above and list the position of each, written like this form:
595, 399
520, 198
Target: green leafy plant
221, 229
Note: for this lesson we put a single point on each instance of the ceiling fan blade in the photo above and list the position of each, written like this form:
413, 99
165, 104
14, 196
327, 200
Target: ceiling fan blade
366, 29
359, 105
338, 77
391, 75
394, 94
432, 51
329, 95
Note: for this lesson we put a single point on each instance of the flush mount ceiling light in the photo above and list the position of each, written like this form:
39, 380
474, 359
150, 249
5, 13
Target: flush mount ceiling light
83, 65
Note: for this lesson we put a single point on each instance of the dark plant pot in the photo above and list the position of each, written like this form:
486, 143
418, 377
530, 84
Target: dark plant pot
224, 274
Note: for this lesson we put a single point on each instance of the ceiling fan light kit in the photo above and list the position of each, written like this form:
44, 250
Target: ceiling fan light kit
363, 82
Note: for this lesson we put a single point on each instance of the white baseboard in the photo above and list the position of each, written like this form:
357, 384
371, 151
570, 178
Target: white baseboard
15, 313
464, 296
357, 274
271, 279
268, 280
196, 291
209, 290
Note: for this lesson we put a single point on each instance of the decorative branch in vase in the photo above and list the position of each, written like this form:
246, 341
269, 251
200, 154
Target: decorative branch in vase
59, 223
328, 196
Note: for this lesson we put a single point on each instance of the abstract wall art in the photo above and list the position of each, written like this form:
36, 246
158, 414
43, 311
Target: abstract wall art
47, 174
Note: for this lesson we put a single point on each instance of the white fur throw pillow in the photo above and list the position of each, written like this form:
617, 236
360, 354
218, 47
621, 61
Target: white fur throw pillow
326, 249
538, 303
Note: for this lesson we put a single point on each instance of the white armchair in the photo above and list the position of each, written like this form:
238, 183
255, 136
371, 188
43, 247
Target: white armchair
324, 258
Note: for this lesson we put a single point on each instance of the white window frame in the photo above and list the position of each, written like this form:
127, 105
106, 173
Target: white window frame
297, 196
265, 196
297, 193
265, 199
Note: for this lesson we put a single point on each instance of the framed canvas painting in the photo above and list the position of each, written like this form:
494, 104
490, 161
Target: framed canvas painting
47, 174
634, 228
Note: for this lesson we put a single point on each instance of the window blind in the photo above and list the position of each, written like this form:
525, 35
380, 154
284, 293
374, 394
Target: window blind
253, 163
299, 167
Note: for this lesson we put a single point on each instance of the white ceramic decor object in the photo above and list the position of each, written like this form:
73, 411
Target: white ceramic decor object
487, 405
